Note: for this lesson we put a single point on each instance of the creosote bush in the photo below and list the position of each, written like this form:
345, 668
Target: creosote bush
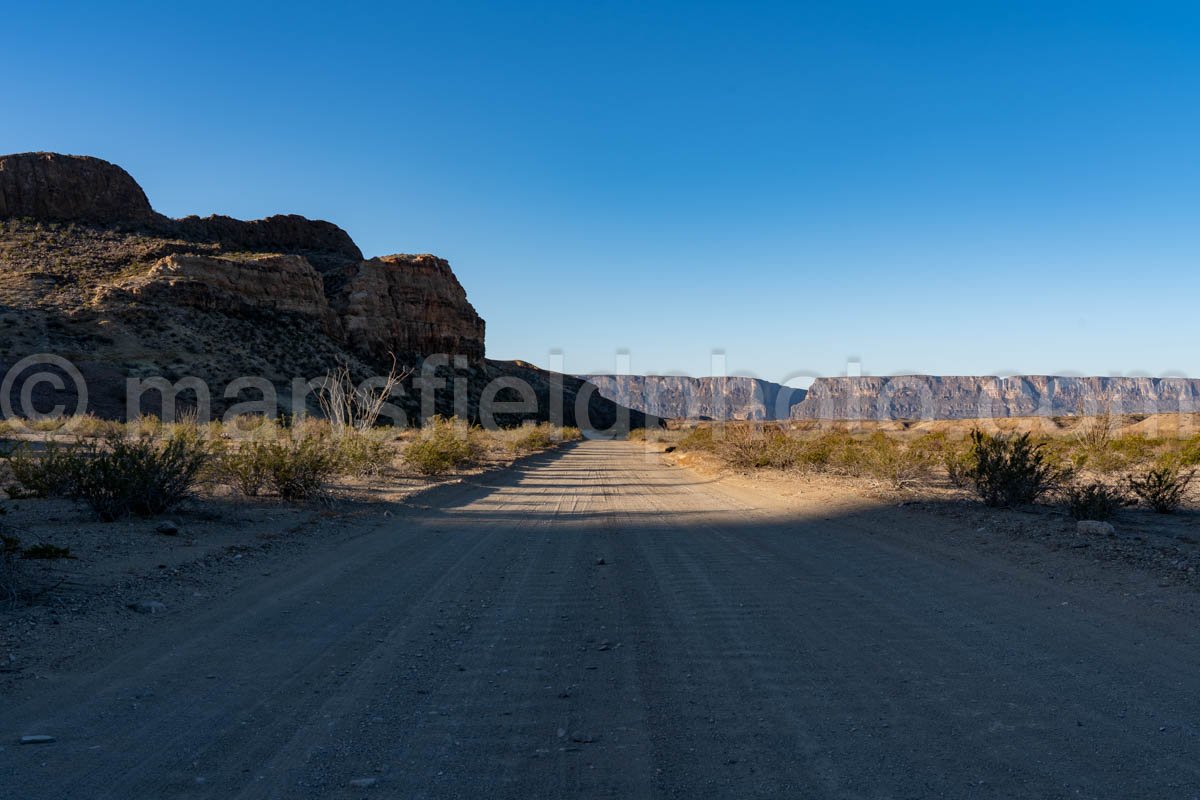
143, 477
1011, 470
116, 476
1162, 488
51, 471
442, 446
292, 467
1093, 501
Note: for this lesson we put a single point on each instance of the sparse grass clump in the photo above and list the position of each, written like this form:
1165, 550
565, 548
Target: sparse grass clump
1162, 488
443, 445
1011, 470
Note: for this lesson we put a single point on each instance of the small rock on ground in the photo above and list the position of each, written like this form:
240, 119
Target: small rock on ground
37, 738
362, 783
147, 607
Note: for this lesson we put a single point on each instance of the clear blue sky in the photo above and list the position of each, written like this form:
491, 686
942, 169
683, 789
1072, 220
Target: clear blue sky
951, 187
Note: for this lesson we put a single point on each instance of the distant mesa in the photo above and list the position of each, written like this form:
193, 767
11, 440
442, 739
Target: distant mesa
918, 397
713, 398
901, 397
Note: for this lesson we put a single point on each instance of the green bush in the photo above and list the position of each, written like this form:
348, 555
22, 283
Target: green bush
1162, 488
887, 459
298, 469
533, 439
700, 438
246, 468
142, 476
361, 454
959, 463
295, 468
1093, 501
832, 450
1011, 470
749, 447
442, 446
51, 472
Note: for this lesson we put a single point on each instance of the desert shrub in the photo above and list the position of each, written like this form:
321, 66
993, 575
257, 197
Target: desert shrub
443, 446
1189, 452
1093, 501
1118, 453
569, 433
51, 472
362, 454
245, 468
834, 449
299, 468
142, 476
700, 438
959, 463
899, 465
534, 438
295, 467
1162, 488
1010, 470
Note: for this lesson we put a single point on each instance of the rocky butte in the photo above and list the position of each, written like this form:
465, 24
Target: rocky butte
89, 271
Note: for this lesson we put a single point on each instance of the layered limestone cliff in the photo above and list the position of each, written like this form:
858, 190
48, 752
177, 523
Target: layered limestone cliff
719, 398
407, 304
983, 397
249, 285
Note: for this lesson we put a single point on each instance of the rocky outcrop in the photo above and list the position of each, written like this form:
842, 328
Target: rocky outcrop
276, 284
403, 305
284, 233
407, 304
719, 398
124, 292
57, 187
976, 397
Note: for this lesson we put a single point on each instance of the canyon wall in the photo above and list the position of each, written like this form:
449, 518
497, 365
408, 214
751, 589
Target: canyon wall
719, 398
982, 397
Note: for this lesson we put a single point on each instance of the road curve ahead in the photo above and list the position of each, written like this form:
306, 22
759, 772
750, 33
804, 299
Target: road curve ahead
596, 624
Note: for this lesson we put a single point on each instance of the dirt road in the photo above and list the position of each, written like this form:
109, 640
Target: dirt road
594, 623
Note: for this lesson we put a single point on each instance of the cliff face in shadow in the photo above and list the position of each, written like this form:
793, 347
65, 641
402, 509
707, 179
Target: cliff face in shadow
717, 398
982, 397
